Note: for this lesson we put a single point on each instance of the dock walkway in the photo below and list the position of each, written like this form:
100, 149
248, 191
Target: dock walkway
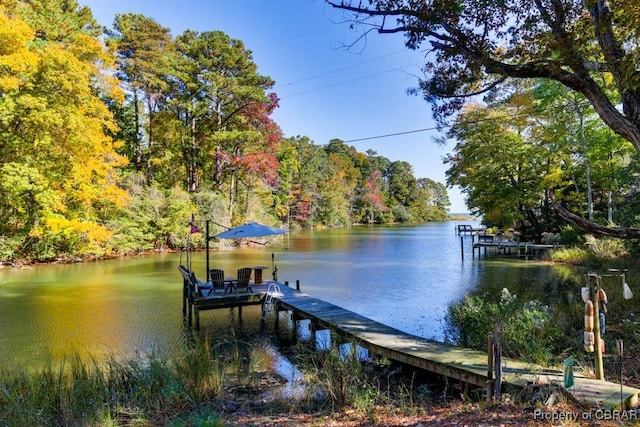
466, 365
454, 362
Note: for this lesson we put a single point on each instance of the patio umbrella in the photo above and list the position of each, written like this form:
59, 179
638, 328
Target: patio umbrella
250, 229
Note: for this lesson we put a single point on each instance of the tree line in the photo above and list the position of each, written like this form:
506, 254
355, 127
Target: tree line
112, 139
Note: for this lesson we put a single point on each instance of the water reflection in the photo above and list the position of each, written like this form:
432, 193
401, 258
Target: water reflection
402, 276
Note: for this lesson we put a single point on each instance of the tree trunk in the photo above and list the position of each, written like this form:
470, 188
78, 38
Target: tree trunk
592, 227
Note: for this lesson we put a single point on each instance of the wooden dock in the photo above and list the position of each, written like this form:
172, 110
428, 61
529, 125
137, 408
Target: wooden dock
496, 244
469, 366
466, 229
196, 297
466, 365
507, 247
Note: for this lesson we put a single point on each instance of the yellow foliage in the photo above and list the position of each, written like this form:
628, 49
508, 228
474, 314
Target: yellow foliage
14, 33
88, 237
15, 58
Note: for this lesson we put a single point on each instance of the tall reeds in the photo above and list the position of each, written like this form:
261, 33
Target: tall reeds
145, 390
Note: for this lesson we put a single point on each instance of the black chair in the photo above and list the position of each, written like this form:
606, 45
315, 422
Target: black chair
216, 277
198, 285
244, 275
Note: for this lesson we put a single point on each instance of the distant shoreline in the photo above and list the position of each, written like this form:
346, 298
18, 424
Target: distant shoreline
463, 216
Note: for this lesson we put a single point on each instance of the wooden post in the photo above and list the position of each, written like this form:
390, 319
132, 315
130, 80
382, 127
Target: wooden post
489, 367
497, 364
294, 320
207, 238
276, 316
620, 348
594, 287
184, 297
297, 285
462, 248
473, 250
314, 338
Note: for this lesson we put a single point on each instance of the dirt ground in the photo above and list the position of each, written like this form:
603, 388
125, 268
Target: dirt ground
456, 414
564, 412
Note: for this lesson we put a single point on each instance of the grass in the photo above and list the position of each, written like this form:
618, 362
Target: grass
195, 389
340, 387
78, 391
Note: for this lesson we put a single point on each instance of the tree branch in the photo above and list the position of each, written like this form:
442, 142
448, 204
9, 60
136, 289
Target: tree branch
592, 227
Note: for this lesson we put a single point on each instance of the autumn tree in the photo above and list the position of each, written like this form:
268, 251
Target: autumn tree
473, 46
220, 113
59, 178
310, 163
372, 196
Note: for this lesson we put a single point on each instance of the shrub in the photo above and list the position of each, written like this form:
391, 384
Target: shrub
527, 329
606, 248
576, 256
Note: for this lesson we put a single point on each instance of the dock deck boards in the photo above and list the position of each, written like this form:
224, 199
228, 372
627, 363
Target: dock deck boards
455, 362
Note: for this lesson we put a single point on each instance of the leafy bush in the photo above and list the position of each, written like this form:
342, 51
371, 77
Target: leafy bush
527, 329
577, 256
606, 248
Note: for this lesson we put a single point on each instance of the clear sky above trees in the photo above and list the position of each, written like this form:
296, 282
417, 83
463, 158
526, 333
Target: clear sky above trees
326, 91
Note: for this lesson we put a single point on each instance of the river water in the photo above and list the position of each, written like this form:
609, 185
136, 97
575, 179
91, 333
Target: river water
402, 276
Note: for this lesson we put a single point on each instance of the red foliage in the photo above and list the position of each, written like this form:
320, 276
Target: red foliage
260, 160
373, 192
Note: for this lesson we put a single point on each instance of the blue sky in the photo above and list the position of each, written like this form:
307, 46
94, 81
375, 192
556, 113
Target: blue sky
357, 94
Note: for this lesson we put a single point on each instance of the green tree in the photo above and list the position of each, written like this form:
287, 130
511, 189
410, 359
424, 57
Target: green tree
498, 168
595, 158
588, 46
218, 102
432, 201
142, 47
403, 192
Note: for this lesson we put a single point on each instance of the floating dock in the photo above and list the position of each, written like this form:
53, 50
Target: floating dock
466, 365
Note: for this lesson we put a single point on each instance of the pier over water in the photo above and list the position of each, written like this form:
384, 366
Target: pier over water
466, 365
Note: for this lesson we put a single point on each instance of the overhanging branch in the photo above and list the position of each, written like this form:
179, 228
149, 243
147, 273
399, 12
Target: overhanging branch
592, 227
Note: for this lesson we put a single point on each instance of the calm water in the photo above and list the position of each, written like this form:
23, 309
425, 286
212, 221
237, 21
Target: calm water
403, 276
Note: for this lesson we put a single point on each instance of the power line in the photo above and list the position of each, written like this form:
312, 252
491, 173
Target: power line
345, 82
468, 122
336, 70
391, 134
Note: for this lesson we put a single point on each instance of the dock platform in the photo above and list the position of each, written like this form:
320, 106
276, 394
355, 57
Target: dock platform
508, 247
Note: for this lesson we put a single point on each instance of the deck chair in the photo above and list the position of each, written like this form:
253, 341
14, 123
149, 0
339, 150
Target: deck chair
216, 277
198, 286
244, 274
